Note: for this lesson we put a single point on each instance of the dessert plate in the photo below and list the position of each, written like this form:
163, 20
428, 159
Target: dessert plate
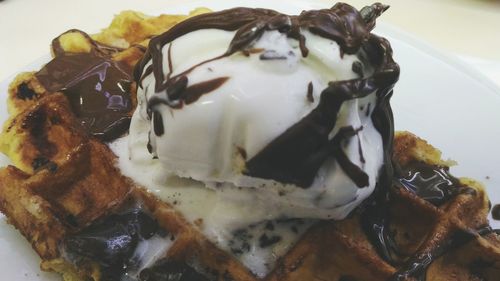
438, 98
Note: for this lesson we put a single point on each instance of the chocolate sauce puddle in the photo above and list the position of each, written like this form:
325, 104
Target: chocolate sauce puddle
97, 87
295, 156
432, 183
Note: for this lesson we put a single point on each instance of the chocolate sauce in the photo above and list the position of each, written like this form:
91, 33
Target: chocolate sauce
375, 223
178, 93
112, 241
295, 156
97, 87
431, 183
195, 91
417, 266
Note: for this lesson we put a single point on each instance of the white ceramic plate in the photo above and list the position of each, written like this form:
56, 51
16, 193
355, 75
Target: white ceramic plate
441, 100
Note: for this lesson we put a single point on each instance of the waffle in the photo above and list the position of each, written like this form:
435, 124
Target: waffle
64, 185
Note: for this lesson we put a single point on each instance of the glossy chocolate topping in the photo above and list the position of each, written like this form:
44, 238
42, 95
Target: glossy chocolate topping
295, 156
97, 87
112, 241
432, 183
437, 186
416, 267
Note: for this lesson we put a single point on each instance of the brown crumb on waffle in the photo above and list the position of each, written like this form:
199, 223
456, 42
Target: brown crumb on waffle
64, 184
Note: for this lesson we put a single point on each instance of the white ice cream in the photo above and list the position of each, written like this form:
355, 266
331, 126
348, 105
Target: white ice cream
199, 167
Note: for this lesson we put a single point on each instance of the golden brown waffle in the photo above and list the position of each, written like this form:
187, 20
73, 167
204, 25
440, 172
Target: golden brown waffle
76, 184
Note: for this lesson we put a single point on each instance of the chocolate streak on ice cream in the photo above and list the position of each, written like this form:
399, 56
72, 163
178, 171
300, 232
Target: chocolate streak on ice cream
97, 87
295, 156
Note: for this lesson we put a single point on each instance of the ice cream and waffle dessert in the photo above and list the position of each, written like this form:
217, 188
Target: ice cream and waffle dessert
245, 144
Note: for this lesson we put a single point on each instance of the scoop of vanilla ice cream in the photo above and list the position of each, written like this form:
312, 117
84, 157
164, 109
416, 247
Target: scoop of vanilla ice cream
265, 91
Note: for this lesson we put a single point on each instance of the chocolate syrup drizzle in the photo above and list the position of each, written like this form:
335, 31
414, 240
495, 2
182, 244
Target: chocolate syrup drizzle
97, 87
432, 183
295, 156
437, 186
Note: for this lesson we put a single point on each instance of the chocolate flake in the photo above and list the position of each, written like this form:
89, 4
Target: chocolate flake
265, 241
310, 89
158, 124
272, 55
357, 67
368, 109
